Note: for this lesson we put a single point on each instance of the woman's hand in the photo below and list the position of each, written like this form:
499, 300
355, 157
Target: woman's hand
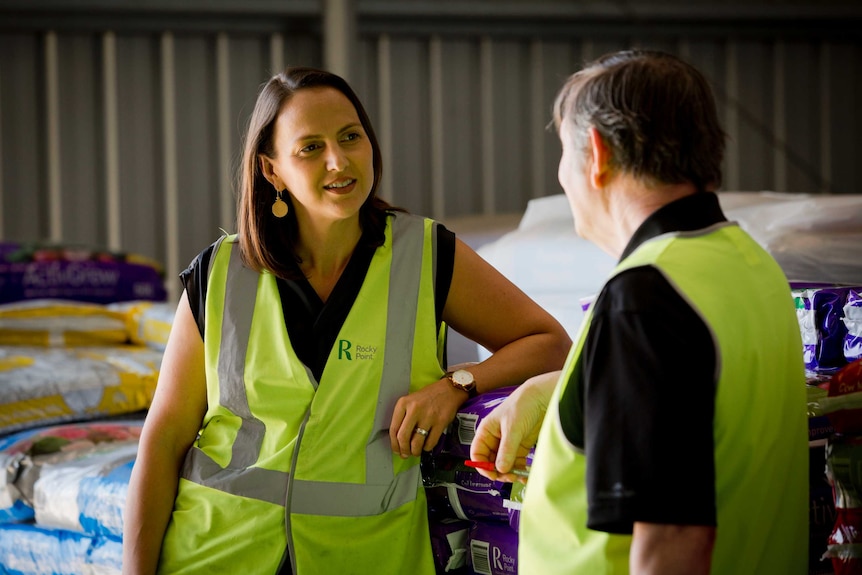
431, 409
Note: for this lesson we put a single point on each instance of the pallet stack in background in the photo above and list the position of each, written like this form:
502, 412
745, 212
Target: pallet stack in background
830, 319
61, 504
82, 334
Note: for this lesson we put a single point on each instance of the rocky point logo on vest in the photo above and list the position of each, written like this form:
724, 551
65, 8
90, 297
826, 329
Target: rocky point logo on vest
349, 352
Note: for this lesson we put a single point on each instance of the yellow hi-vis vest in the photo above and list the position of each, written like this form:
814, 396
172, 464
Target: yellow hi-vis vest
284, 462
760, 424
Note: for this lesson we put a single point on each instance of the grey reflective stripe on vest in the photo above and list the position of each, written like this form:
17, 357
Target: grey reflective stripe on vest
239, 300
382, 491
353, 499
693, 233
404, 278
253, 482
216, 248
239, 478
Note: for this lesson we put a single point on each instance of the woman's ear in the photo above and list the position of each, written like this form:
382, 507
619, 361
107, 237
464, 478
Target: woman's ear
600, 156
267, 168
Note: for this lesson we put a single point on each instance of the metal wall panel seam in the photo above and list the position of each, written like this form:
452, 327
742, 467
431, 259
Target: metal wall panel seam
52, 115
486, 80
227, 209
731, 118
339, 30
537, 118
276, 53
779, 117
588, 49
683, 49
438, 122
384, 128
169, 127
113, 210
825, 85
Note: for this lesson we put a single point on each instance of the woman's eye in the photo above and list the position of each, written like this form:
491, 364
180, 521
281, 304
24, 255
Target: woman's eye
309, 148
351, 136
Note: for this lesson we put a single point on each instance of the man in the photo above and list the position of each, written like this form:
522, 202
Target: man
675, 438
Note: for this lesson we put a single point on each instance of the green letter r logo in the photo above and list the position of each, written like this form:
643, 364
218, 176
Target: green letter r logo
343, 346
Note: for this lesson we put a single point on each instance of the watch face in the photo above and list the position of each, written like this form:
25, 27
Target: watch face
463, 377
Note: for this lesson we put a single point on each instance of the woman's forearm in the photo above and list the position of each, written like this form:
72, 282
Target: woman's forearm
149, 503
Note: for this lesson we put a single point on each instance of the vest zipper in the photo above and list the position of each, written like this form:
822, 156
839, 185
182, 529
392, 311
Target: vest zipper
289, 553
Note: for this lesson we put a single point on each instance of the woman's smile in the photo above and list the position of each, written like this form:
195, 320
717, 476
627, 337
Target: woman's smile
341, 186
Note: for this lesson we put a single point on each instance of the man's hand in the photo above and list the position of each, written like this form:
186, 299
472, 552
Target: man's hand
506, 435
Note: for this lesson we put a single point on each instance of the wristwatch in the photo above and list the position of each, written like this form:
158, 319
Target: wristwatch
463, 380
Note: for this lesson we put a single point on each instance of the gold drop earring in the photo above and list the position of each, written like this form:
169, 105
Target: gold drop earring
279, 207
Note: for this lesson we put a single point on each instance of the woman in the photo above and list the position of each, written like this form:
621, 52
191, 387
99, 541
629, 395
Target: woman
304, 372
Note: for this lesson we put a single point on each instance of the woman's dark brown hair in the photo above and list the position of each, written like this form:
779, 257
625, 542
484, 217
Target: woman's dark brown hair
266, 242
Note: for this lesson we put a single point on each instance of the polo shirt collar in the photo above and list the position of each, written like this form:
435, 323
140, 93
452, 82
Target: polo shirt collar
697, 211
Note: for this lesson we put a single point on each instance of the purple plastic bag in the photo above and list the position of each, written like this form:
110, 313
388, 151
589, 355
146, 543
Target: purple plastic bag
493, 549
455, 501
853, 323
449, 544
78, 274
821, 312
457, 438
455, 490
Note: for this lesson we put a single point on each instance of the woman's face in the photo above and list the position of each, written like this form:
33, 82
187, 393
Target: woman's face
323, 156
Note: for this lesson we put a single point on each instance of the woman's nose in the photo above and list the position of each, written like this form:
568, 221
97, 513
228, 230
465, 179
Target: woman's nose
336, 160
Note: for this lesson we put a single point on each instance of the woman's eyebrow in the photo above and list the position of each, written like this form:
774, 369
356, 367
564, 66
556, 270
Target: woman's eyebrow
349, 126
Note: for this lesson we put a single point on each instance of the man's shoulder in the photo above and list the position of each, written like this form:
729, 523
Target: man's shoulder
639, 288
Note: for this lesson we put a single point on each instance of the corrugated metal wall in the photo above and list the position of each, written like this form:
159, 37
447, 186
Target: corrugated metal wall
123, 129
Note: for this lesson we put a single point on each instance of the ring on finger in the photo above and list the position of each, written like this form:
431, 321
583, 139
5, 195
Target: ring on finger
421, 431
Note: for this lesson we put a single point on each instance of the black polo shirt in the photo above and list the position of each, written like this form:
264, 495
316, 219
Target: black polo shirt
313, 325
642, 398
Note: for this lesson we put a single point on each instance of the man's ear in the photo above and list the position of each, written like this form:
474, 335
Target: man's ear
600, 156
268, 170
